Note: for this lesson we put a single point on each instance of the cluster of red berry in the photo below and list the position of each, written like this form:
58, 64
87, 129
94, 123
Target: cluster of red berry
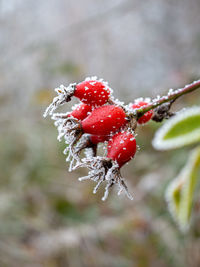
98, 118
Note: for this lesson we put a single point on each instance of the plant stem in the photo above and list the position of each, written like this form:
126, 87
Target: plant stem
172, 95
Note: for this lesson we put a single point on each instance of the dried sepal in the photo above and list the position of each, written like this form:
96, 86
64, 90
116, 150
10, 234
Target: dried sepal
102, 169
60, 116
85, 144
113, 176
64, 95
68, 127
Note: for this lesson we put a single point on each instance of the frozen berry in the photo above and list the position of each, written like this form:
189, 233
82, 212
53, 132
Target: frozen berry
93, 92
104, 120
122, 147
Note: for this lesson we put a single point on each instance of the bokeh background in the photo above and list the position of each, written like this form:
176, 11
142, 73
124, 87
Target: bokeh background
47, 217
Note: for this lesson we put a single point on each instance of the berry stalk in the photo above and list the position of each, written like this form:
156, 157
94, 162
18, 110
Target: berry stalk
170, 97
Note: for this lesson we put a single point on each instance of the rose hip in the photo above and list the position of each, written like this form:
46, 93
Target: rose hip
104, 120
121, 148
92, 92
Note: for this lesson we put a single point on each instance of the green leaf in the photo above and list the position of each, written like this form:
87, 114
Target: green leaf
173, 196
180, 192
182, 129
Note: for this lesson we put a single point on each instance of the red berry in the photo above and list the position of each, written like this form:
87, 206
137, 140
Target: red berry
122, 148
81, 111
92, 92
147, 116
95, 139
104, 120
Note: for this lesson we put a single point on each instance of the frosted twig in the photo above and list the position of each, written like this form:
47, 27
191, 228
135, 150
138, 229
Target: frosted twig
171, 96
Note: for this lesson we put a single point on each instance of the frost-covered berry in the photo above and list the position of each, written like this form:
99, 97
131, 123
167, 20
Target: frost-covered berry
122, 148
147, 116
93, 92
104, 120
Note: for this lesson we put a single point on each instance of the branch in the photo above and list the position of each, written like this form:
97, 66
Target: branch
169, 98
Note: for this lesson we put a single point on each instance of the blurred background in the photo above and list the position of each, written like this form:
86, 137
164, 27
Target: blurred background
47, 217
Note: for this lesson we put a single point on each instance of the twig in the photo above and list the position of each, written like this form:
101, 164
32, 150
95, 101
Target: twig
171, 96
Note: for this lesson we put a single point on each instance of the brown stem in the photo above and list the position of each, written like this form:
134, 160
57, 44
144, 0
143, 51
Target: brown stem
171, 96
